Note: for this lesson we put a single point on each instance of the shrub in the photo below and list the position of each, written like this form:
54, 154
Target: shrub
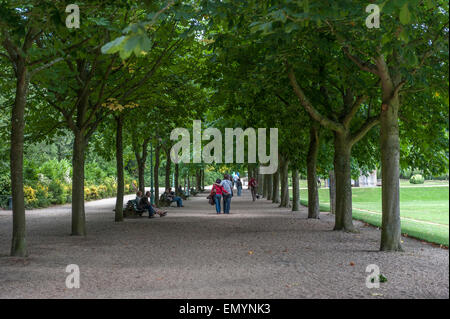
87, 193
56, 170
417, 179
30, 172
30, 197
111, 185
58, 193
102, 191
5, 184
94, 174
94, 192
42, 195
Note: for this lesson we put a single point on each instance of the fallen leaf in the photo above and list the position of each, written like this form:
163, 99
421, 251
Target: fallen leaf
250, 252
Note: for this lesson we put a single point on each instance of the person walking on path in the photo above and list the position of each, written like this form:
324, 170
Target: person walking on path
239, 186
252, 184
228, 187
216, 193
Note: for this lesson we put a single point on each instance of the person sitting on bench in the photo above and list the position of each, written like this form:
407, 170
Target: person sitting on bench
170, 195
144, 203
138, 198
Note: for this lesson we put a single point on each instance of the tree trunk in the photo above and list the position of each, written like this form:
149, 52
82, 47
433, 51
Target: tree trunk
141, 176
390, 157
295, 191
276, 188
156, 173
265, 186
168, 169
198, 180
120, 174
260, 180
269, 186
311, 162
177, 175
203, 179
18, 244
332, 189
188, 184
342, 153
284, 181
78, 213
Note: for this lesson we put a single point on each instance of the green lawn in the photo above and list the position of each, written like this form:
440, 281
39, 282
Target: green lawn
429, 204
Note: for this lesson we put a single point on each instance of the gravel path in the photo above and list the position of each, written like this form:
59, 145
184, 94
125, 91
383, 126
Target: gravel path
259, 251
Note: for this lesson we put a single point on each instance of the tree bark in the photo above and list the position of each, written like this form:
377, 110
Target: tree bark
203, 179
156, 172
168, 169
260, 180
332, 189
120, 174
78, 213
198, 180
276, 188
188, 184
295, 191
141, 158
390, 168
141, 177
265, 186
342, 153
18, 244
284, 181
269, 186
311, 162
177, 175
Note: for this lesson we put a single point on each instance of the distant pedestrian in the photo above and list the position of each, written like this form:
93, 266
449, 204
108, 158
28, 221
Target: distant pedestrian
239, 186
217, 192
228, 187
252, 184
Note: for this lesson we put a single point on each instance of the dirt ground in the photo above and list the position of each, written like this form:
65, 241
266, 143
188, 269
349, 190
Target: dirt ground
259, 251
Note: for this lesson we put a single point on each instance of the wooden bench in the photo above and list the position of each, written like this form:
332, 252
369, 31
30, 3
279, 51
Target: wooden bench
183, 195
132, 209
193, 192
164, 201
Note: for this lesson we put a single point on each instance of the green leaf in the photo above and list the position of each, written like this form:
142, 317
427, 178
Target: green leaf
404, 35
114, 46
405, 15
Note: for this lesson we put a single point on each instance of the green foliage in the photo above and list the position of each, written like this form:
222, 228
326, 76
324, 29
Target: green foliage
59, 171
5, 184
417, 179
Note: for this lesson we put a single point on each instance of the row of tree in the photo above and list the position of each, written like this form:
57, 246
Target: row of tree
136, 70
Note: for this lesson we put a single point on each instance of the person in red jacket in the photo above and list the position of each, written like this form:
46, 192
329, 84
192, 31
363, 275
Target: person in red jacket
252, 184
216, 193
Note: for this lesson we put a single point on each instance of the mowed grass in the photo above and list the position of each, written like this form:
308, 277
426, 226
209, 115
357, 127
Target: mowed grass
419, 206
